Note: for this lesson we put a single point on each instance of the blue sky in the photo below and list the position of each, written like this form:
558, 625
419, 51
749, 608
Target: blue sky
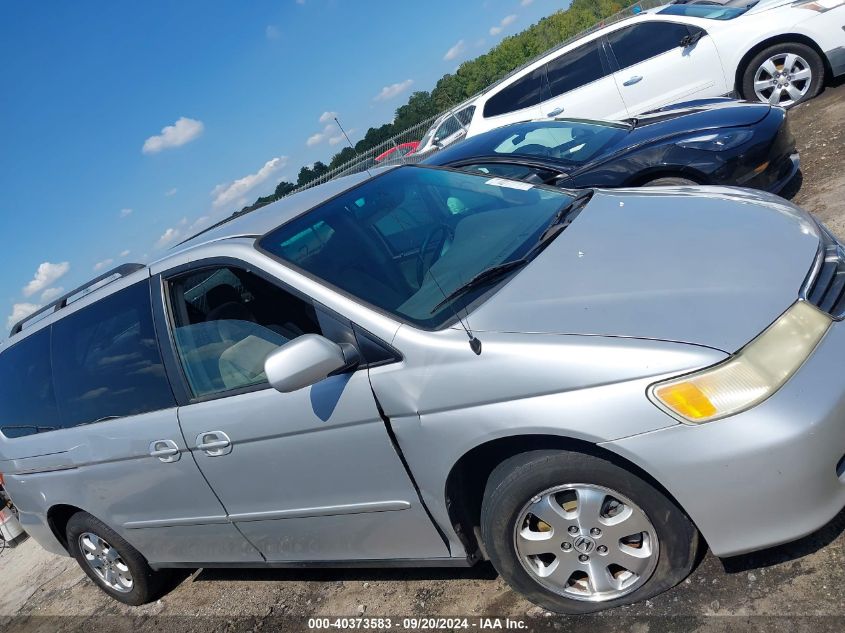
125, 126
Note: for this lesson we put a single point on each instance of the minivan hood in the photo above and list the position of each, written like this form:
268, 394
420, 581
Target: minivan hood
711, 266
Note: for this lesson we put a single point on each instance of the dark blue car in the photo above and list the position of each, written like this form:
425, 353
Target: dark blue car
714, 142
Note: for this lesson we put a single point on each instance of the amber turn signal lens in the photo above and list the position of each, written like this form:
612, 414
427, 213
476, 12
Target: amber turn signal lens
687, 400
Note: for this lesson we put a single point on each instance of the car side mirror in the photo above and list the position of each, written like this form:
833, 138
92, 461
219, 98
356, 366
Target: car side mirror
307, 360
691, 40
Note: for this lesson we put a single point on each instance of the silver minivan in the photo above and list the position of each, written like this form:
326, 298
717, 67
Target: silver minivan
425, 367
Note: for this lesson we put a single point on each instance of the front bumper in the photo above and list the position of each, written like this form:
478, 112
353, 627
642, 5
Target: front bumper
786, 172
766, 476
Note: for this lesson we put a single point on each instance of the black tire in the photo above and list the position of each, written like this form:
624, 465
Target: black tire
517, 480
671, 181
815, 62
147, 584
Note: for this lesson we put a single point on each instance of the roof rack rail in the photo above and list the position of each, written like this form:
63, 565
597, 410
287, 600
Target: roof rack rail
121, 271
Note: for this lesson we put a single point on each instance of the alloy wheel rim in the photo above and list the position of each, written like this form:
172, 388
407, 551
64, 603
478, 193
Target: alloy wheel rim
586, 542
783, 79
106, 563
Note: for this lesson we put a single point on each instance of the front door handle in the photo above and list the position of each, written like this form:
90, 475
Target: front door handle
555, 112
166, 450
633, 80
214, 443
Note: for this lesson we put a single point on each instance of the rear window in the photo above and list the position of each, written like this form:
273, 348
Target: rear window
106, 361
27, 401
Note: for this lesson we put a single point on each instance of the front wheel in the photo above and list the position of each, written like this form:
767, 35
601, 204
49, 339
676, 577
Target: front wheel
783, 75
113, 564
576, 534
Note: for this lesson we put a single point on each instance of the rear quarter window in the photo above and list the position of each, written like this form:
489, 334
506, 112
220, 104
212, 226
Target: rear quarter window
27, 401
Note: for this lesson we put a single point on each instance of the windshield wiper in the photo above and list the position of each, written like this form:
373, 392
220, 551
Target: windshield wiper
486, 276
564, 216
562, 219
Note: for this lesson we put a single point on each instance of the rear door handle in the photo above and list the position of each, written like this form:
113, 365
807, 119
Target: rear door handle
633, 80
214, 443
555, 112
166, 450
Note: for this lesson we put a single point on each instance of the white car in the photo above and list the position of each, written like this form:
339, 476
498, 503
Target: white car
447, 129
776, 51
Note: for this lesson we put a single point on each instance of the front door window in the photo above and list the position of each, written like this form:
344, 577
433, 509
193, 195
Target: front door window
227, 321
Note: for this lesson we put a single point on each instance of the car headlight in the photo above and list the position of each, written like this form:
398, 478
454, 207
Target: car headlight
717, 141
818, 5
751, 375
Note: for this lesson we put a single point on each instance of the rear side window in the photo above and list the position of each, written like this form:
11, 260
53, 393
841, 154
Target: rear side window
576, 68
640, 42
465, 115
523, 93
449, 127
27, 401
106, 361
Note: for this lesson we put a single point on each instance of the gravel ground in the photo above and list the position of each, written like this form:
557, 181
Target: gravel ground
796, 587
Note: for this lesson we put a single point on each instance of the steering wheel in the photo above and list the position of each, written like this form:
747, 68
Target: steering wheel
435, 242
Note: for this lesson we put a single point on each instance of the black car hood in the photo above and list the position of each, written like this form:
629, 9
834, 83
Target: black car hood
692, 120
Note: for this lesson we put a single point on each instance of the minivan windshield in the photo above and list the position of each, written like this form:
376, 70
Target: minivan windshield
408, 238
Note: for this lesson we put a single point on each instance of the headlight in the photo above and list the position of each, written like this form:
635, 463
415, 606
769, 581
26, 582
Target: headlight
818, 5
749, 377
717, 141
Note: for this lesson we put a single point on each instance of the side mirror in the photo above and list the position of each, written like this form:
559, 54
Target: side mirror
307, 360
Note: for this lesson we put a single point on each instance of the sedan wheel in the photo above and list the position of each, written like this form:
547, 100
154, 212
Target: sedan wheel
586, 542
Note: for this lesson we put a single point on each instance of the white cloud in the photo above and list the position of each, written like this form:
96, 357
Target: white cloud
506, 21
319, 137
300, 1
20, 311
526, 3
103, 264
183, 131
125, 213
51, 293
228, 193
125, 253
46, 274
167, 237
455, 51
327, 116
171, 192
393, 90
272, 32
